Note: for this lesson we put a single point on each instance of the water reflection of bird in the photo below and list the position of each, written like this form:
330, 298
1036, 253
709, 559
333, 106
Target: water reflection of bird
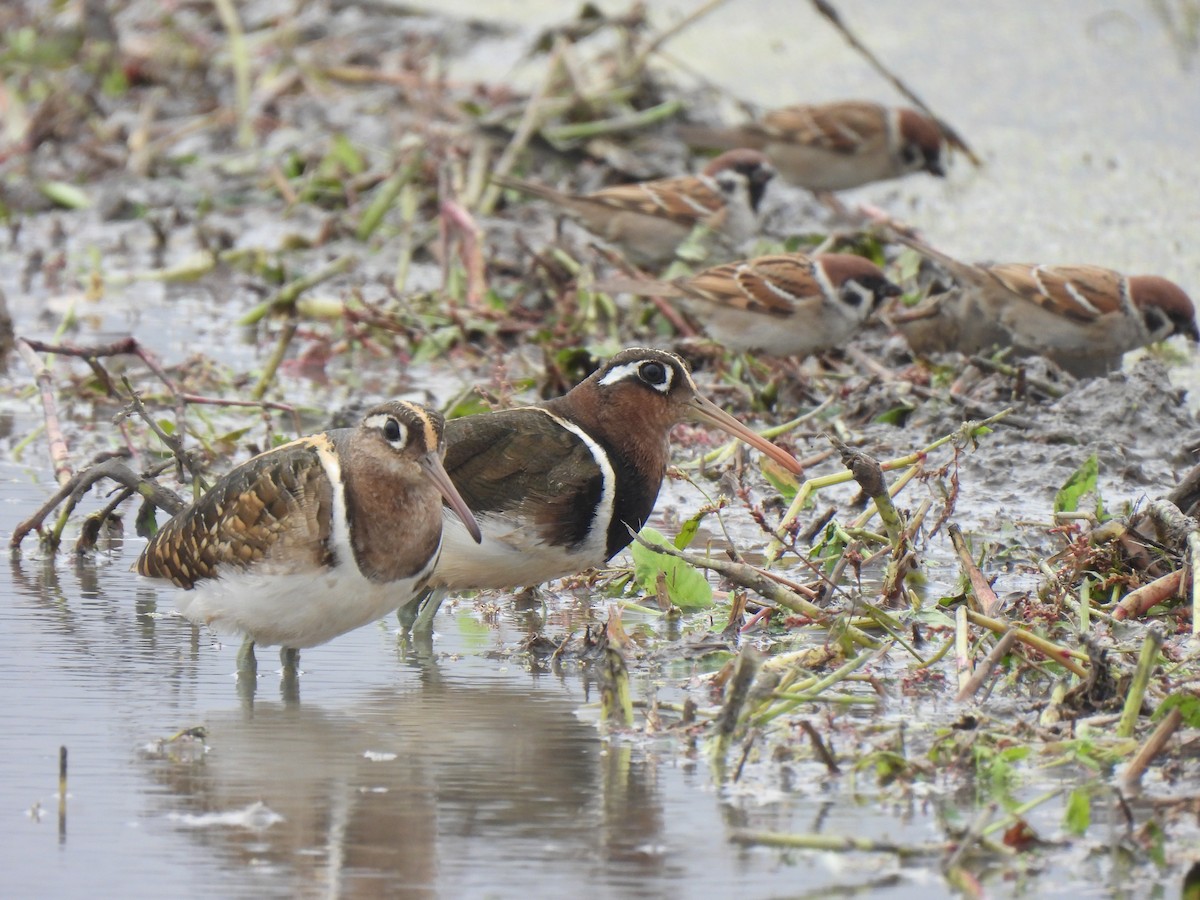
410, 791
317, 537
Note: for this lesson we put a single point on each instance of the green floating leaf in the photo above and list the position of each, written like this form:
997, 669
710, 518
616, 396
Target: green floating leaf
686, 588
1081, 482
66, 195
1079, 812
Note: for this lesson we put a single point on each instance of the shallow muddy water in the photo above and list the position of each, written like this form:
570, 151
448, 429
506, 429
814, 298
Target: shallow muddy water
463, 769
455, 773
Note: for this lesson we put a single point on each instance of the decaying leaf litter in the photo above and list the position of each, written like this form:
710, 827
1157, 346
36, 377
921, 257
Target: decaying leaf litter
318, 186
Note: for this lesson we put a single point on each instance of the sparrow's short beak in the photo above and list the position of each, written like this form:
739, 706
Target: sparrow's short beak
431, 463
706, 411
934, 167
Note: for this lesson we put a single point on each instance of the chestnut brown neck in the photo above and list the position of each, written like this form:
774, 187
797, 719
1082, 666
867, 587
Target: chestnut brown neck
632, 426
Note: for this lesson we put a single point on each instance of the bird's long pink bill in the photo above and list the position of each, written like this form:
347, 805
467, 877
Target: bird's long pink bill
432, 464
707, 411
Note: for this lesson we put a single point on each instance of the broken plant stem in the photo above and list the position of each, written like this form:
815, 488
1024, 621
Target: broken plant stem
869, 475
1147, 659
985, 597
274, 360
984, 669
1137, 602
833, 843
60, 456
642, 118
172, 442
1020, 811
386, 194
962, 647
79, 483
965, 434
745, 670
1151, 749
285, 298
759, 582
893, 490
789, 700
240, 61
616, 707
1064, 656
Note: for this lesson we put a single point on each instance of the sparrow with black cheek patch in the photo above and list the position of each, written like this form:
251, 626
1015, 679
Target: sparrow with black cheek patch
835, 146
648, 220
1083, 317
787, 304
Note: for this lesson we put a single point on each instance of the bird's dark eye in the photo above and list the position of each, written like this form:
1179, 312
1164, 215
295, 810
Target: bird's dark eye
910, 154
393, 431
653, 373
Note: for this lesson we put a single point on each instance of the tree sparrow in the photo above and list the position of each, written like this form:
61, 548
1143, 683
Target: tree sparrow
835, 146
648, 220
1082, 317
786, 304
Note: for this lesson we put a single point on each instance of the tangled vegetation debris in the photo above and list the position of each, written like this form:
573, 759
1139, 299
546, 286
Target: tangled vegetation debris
325, 188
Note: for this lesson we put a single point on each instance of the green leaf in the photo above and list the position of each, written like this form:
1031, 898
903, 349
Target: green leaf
342, 152
1079, 812
1081, 482
687, 532
66, 195
1188, 705
897, 415
145, 524
232, 437
786, 486
686, 588
1157, 841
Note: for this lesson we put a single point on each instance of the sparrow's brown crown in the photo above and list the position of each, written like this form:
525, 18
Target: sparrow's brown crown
1156, 297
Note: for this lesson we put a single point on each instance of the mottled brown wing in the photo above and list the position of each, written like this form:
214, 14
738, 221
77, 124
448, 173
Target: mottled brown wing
768, 284
839, 128
277, 507
686, 199
1085, 286
523, 464
1078, 293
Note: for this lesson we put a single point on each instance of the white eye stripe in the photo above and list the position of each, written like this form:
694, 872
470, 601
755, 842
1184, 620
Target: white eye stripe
631, 370
380, 421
